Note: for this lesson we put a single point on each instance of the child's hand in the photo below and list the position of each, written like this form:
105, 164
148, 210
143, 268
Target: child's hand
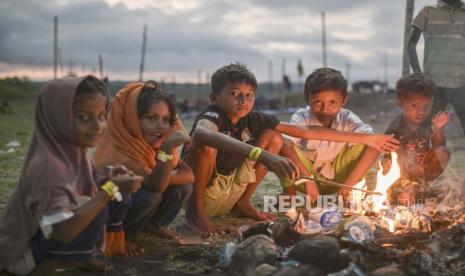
386, 165
176, 139
281, 166
312, 190
128, 184
179, 125
383, 143
344, 192
441, 119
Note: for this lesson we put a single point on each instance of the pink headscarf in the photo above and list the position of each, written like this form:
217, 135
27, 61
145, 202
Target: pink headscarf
57, 175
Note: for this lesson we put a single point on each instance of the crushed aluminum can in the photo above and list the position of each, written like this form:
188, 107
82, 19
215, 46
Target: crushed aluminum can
359, 231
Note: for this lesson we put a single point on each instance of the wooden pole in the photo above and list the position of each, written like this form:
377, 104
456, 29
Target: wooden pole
55, 47
323, 37
100, 65
142, 57
60, 62
407, 29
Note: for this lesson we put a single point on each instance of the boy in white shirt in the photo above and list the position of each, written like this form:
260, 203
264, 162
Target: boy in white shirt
326, 94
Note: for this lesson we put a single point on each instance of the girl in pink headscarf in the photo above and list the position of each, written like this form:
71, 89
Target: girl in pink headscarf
57, 213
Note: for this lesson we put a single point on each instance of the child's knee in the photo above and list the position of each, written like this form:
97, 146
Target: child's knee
288, 144
271, 140
201, 150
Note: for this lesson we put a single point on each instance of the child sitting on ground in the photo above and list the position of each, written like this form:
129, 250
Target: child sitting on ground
232, 145
423, 154
325, 93
56, 214
143, 135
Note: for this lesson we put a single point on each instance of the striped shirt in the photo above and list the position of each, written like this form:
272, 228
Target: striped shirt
443, 29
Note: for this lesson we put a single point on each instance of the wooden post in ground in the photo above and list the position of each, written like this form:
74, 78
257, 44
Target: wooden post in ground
407, 29
323, 37
100, 66
55, 47
142, 57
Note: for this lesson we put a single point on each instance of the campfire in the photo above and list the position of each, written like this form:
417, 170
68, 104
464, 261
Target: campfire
373, 235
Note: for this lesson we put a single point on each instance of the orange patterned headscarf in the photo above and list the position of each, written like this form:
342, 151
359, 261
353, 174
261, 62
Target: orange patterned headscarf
123, 143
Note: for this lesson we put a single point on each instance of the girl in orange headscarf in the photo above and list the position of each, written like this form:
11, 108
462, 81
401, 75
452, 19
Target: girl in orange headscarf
143, 134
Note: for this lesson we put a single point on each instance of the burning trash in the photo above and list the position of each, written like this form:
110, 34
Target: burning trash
407, 237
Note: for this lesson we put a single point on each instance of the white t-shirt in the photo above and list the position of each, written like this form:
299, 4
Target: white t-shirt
321, 152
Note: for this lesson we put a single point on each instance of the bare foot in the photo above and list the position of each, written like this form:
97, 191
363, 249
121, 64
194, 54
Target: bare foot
200, 224
247, 210
133, 249
162, 232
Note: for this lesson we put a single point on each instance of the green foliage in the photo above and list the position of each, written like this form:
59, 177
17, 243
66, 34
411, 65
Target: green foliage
17, 88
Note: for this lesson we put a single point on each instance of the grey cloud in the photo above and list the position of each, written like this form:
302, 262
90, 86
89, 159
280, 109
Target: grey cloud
178, 44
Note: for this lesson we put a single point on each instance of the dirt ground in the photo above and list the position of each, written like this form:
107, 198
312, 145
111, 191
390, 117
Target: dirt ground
163, 257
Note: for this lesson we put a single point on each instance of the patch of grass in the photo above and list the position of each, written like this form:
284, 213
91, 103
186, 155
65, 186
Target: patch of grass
18, 126
16, 88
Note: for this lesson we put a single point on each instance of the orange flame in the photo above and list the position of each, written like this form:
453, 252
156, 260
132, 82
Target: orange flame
383, 182
357, 196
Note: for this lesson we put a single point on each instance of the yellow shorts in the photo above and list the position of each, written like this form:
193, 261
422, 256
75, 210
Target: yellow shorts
224, 191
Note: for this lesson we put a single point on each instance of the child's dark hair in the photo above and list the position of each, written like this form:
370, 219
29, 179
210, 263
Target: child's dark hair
152, 93
415, 83
232, 73
324, 79
92, 85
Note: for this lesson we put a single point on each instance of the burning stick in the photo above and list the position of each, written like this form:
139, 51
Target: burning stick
336, 184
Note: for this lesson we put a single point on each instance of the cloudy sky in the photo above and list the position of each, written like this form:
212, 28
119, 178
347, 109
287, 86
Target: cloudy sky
187, 35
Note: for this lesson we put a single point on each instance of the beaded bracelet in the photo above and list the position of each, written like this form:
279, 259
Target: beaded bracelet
255, 153
163, 156
112, 190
